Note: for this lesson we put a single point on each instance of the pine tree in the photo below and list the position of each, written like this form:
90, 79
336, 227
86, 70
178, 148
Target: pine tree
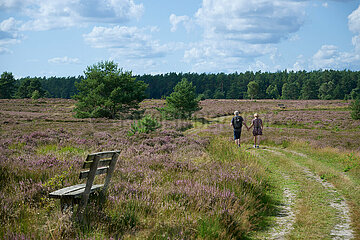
107, 91
182, 102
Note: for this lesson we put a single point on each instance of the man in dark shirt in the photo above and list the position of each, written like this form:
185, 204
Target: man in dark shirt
236, 123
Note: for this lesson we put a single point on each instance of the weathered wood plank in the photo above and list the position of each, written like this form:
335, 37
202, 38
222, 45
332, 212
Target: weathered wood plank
102, 163
96, 163
79, 192
102, 155
61, 192
85, 174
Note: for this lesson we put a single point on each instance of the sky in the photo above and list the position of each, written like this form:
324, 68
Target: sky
63, 37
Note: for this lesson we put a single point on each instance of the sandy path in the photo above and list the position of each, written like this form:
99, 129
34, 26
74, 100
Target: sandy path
342, 230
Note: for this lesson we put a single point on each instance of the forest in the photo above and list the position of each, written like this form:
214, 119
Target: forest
321, 84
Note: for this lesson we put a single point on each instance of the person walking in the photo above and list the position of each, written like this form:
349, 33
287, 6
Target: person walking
237, 122
257, 131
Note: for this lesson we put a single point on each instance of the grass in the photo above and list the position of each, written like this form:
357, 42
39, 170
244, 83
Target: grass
340, 168
313, 217
176, 182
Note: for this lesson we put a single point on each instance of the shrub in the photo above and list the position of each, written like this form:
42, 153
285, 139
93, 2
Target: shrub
182, 102
107, 91
355, 109
35, 95
145, 125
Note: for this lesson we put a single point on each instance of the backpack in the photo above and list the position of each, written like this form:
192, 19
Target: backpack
237, 122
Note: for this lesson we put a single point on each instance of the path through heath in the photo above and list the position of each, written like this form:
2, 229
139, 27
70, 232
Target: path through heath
287, 165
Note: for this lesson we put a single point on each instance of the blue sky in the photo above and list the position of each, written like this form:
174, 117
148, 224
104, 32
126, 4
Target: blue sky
63, 37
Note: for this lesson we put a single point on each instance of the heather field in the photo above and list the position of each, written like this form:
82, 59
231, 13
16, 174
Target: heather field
186, 180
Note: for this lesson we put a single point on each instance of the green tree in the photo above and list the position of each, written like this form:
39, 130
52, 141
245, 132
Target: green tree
355, 93
272, 91
219, 94
7, 85
145, 125
326, 90
355, 109
35, 95
182, 102
290, 91
27, 88
253, 89
107, 91
309, 90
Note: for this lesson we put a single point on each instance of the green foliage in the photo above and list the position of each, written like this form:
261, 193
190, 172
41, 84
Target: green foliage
123, 219
253, 89
7, 85
272, 91
298, 85
61, 87
27, 88
35, 95
107, 91
326, 90
219, 94
145, 125
182, 102
57, 181
290, 91
351, 161
309, 90
355, 109
355, 93
209, 228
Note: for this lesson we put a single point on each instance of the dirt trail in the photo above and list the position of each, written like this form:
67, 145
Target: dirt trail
342, 230
285, 219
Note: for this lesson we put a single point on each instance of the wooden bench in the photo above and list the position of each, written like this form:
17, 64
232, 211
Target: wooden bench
282, 106
95, 164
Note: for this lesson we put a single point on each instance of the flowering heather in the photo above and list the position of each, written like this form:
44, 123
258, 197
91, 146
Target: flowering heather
171, 183
160, 176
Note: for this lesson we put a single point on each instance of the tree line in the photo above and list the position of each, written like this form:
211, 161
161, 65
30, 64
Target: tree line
321, 84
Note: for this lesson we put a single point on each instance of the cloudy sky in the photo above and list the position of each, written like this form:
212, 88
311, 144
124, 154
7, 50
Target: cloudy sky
63, 37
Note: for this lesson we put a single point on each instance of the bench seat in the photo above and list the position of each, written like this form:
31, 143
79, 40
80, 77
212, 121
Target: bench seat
74, 191
101, 163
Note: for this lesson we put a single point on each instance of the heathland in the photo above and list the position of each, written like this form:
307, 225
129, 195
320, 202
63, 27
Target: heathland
187, 179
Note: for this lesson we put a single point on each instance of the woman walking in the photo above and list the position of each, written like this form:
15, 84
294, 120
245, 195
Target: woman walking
257, 131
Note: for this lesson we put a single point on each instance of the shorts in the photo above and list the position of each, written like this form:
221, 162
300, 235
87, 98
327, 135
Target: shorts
237, 134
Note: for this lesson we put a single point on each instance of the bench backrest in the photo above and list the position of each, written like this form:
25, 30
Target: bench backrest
97, 164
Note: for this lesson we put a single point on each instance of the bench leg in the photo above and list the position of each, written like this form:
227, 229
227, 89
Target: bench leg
67, 203
82, 207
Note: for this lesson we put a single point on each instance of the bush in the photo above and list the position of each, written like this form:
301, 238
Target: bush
355, 109
35, 95
145, 125
182, 102
107, 91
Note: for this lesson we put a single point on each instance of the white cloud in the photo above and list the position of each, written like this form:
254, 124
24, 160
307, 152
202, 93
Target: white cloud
243, 30
45, 15
131, 42
64, 60
9, 34
329, 57
8, 4
254, 21
175, 20
4, 50
354, 26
